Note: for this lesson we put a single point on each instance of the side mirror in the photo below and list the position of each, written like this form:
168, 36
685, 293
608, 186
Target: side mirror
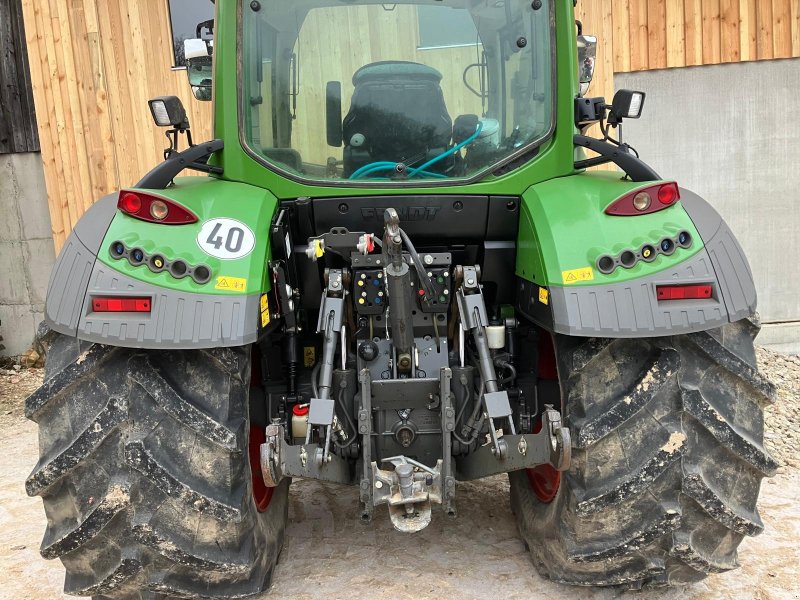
199, 67
333, 113
587, 58
627, 104
200, 72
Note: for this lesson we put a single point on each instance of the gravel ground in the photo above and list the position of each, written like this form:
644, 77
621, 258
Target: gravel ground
330, 554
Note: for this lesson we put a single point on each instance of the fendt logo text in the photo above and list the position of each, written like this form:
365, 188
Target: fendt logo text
406, 213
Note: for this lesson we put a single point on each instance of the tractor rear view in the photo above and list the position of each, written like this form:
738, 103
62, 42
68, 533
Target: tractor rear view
396, 271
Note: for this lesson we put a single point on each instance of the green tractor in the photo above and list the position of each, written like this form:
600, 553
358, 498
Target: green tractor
397, 270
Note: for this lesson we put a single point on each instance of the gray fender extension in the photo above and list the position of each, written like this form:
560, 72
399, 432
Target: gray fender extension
631, 310
179, 320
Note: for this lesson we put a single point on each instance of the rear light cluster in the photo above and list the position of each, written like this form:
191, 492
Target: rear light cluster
684, 292
645, 201
121, 304
179, 269
154, 209
628, 259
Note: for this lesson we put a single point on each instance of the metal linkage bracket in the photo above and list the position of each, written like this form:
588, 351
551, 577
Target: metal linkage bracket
448, 427
472, 310
331, 316
552, 445
365, 430
279, 460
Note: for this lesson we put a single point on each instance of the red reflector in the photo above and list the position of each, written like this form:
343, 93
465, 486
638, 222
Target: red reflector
130, 203
116, 304
684, 292
668, 193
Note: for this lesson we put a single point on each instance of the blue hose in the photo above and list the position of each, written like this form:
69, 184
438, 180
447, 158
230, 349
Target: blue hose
377, 167
370, 166
453, 150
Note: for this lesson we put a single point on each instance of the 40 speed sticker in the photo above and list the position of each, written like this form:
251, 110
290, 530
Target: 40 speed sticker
226, 239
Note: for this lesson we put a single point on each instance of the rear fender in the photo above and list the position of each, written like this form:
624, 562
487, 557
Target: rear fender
225, 311
564, 231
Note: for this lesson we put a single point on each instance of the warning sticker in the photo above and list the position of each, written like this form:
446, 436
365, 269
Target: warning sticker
544, 296
309, 356
231, 284
578, 276
265, 317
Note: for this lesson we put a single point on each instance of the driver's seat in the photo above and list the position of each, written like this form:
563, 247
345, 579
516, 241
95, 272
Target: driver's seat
397, 114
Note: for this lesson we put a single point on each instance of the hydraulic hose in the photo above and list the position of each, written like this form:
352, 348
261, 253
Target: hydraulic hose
418, 265
377, 167
452, 150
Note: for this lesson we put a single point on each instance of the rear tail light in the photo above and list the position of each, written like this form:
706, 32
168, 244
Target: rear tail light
646, 201
116, 304
154, 209
684, 292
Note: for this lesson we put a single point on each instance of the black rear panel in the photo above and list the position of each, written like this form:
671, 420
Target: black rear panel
475, 229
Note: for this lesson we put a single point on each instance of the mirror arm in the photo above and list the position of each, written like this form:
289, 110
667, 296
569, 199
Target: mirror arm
195, 158
634, 167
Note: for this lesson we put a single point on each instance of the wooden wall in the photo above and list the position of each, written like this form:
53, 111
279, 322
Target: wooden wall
95, 63
17, 115
639, 35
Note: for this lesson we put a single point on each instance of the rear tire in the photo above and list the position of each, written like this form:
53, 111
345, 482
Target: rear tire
145, 473
667, 460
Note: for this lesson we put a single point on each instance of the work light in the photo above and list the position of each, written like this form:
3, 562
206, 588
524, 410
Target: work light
168, 111
627, 104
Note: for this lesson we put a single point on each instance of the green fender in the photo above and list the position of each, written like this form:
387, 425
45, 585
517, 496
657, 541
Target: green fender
564, 231
225, 310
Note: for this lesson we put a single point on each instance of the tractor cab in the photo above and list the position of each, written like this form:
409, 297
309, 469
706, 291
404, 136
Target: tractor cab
370, 93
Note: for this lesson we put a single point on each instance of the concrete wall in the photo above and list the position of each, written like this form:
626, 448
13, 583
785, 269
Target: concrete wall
26, 249
731, 133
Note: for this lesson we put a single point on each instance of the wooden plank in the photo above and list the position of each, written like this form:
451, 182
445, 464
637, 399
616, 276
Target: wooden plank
55, 63
620, 9
100, 154
53, 164
657, 34
730, 36
748, 31
15, 113
765, 46
8, 77
712, 41
117, 76
693, 16
105, 164
75, 128
782, 28
28, 105
606, 43
676, 44
795, 16
639, 35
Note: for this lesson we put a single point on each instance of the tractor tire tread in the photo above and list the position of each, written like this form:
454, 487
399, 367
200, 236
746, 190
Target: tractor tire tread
664, 481
145, 477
